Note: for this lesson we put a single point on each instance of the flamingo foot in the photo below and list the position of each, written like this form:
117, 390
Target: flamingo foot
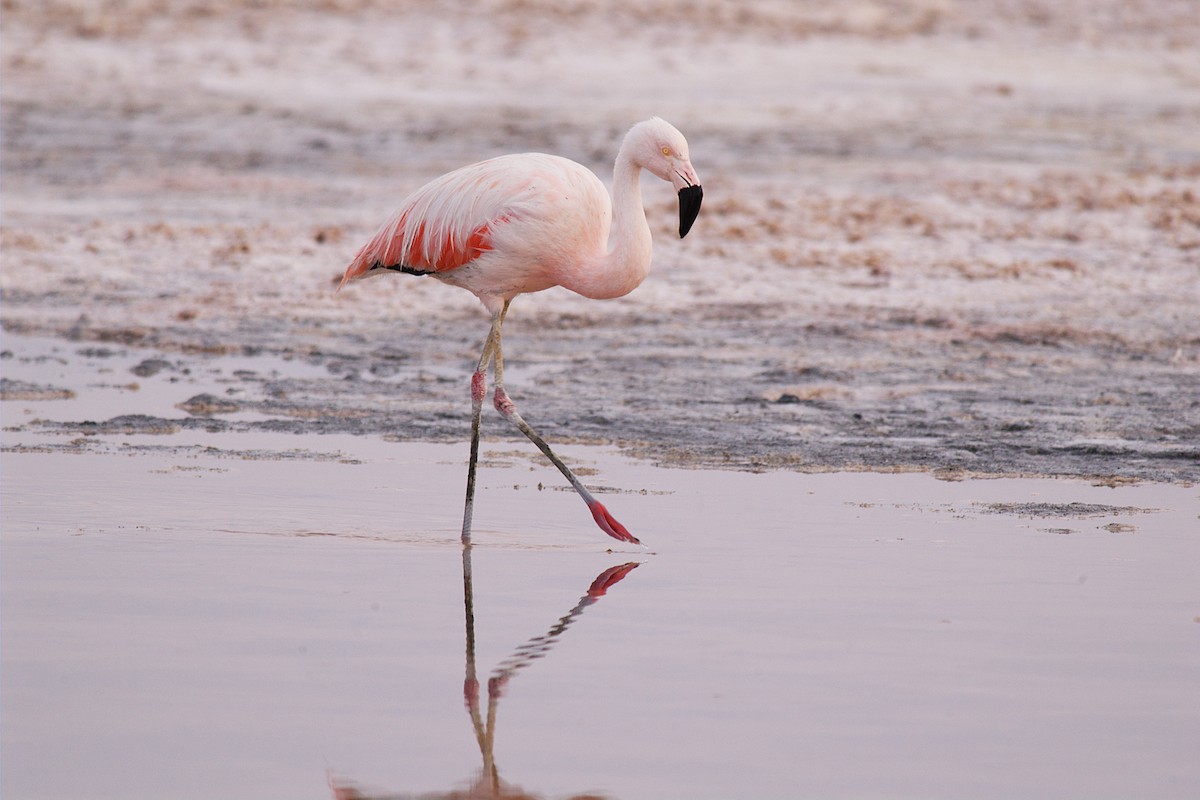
609, 578
608, 524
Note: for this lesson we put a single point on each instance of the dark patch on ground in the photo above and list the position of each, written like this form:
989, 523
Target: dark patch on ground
1080, 510
19, 390
706, 403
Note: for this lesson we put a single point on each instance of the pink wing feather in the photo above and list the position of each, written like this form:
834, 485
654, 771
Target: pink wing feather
447, 223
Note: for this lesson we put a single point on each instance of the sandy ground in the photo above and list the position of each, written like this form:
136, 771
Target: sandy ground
951, 236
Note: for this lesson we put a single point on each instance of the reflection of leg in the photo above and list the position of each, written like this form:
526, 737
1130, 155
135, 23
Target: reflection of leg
470, 681
490, 770
484, 736
540, 646
478, 390
505, 406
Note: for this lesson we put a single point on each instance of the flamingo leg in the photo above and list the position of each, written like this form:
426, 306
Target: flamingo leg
478, 391
508, 409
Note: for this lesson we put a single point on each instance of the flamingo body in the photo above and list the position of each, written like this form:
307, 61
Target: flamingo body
524, 223
499, 228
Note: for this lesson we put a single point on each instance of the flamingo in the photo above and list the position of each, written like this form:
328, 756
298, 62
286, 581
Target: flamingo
523, 223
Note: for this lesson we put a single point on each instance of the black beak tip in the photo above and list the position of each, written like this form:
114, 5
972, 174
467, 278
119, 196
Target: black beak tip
689, 207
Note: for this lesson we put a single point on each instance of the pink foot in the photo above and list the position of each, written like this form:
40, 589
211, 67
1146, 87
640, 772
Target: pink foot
609, 525
611, 576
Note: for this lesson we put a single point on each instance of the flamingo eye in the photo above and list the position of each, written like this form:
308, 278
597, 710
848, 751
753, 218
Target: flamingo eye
666, 151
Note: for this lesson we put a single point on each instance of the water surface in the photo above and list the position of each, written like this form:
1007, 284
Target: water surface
235, 625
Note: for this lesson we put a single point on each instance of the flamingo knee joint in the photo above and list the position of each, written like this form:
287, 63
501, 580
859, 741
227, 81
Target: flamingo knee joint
503, 403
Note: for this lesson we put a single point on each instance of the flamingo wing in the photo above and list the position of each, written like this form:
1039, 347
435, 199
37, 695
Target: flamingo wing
448, 222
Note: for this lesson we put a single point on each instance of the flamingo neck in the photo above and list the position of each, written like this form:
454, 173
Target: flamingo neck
627, 261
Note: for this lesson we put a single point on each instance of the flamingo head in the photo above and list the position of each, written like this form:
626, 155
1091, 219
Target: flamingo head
660, 148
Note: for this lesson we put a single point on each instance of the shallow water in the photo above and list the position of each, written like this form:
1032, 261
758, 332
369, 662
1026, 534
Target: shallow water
235, 625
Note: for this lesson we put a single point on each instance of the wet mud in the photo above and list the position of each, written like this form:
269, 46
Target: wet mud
955, 238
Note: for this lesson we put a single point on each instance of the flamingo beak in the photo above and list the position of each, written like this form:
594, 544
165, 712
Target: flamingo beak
689, 207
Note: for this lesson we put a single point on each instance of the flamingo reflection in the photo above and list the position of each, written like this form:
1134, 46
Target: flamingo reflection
483, 721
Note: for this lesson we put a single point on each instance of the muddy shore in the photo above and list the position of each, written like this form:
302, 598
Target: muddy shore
927, 242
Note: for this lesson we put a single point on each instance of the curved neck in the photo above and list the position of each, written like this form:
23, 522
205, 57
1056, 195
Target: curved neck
627, 262
631, 233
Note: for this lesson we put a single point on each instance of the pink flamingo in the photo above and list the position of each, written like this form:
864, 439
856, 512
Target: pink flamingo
523, 223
